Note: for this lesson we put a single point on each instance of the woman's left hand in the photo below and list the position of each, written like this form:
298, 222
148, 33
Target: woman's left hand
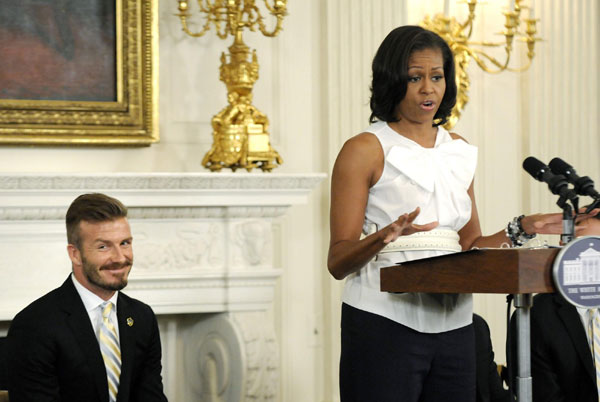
542, 223
550, 223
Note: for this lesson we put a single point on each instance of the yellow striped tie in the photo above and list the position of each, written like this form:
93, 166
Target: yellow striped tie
111, 352
596, 343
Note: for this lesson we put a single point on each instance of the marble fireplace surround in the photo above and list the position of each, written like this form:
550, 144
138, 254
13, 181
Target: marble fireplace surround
203, 259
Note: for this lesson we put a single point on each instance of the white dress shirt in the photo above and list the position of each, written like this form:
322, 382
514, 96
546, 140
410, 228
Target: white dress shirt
92, 304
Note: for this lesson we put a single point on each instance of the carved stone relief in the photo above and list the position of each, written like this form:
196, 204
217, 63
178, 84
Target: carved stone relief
213, 360
262, 356
252, 243
230, 358
178, 246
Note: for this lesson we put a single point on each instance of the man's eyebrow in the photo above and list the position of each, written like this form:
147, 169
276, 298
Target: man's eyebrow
100, 240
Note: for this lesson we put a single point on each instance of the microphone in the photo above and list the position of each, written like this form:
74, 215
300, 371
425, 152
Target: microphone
583, 185
556, 182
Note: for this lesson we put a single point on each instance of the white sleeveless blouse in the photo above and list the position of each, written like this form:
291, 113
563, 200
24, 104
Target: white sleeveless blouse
436, 180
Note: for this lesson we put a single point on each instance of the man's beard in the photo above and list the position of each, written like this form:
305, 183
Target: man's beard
92, 273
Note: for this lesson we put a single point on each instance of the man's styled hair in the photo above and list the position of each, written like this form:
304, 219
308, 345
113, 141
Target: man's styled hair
95, 207
390, 72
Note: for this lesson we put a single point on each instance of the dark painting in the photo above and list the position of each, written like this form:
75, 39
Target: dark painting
58, 50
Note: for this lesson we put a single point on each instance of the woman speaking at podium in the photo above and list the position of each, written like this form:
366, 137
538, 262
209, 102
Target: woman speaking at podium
406, 185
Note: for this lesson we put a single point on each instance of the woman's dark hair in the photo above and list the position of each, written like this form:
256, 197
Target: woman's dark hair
390, 72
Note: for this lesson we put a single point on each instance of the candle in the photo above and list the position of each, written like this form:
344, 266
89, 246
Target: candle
531, 12
511, 5
446, 7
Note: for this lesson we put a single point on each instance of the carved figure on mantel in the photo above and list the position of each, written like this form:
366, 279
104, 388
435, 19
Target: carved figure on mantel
196, 248
251, 239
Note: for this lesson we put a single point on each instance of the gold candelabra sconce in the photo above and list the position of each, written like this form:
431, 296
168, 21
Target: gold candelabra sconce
240, 130
458, 36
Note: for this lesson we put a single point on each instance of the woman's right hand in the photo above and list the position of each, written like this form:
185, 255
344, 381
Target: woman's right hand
404, 226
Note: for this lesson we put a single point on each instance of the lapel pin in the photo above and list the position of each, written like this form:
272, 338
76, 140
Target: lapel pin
130, 321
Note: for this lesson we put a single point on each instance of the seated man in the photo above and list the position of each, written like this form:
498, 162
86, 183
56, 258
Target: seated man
562, 367
489, 383
87, 341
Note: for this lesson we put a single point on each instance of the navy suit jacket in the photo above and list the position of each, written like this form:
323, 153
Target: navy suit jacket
53, 353
562, 368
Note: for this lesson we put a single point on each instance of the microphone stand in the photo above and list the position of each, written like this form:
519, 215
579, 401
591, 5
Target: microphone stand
568, 221
524, 302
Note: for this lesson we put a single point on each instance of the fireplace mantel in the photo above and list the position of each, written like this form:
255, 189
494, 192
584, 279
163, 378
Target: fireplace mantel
51, 193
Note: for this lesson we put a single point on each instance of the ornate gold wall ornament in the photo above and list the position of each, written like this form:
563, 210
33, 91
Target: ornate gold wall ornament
240, 130
131, 119
458, 36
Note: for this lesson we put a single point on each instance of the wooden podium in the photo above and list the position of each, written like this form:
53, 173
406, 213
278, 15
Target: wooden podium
520, 272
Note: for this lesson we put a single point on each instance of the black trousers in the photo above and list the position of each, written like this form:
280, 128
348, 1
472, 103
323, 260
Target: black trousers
383, 361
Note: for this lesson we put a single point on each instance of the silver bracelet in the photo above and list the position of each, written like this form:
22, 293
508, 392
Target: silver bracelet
514, 231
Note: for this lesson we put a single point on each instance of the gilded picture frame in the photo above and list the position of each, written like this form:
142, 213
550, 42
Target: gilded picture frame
128, 118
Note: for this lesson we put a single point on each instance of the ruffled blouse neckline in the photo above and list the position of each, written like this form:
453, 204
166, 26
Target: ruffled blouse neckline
439, 137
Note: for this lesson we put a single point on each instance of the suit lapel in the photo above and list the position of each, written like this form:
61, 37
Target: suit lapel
79, 323
127, 343
570, 317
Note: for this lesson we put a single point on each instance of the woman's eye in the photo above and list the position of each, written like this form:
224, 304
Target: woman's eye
438, 78
413, 79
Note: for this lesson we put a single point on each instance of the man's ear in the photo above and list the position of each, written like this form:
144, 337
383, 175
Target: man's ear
74, 254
